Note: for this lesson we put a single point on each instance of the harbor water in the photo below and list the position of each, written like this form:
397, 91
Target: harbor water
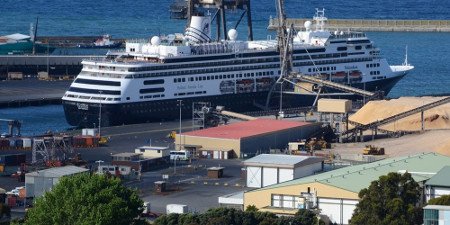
428, 52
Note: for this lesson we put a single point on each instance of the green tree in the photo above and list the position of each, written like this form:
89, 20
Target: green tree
443, 200
4, 210
86, 199
304, 217
392, 199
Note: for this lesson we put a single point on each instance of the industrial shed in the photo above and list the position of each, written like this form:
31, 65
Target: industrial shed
335, 193
245, 139
267, 169
37, 183
438, 185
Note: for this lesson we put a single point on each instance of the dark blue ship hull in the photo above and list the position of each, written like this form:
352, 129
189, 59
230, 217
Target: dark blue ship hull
87, 114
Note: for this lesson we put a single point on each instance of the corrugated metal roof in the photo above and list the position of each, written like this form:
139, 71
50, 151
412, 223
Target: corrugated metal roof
355, 178
58, 171
442, 178
127, 154
282, 160
438, 207
246, 129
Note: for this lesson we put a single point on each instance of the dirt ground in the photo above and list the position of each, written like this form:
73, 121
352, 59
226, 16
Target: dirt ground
429, 141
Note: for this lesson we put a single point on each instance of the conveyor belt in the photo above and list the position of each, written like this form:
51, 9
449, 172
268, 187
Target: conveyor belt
375, 124
337, 86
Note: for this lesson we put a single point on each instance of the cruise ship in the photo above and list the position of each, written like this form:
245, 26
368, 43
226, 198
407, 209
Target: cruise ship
146, 81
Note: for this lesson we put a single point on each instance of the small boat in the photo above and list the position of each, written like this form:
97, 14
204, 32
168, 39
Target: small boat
103, 42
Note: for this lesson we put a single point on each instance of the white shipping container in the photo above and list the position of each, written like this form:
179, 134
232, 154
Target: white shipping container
89, 132
176, 208
26, 142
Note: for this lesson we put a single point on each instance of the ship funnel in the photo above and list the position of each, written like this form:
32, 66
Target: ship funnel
199, 30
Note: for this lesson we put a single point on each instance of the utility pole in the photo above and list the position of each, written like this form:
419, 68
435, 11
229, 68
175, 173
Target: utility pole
179, 136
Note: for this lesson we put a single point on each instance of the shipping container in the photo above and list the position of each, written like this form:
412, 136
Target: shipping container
12, 201
12, 143
27, 144
89, 132
4, 143
85, 141
19, 144
176, 208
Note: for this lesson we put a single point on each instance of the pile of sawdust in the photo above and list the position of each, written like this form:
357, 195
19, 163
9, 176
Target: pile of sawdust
435, 118
444, 149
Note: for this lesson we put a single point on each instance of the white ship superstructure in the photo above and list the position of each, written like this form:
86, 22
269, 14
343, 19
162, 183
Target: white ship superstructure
144, 82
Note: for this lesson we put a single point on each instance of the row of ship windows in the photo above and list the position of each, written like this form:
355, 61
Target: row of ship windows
190, 93
328, 68
370, 65
214, 63
226, 76
92, 98
236, 62
334, 61
379, 77
97, 82
374, 72
213, 70
152, 96
227, 69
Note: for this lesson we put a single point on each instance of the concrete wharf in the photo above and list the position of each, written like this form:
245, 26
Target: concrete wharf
55, 65
31, 92
374, 25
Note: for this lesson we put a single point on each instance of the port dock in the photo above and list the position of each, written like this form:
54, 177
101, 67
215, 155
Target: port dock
31, 92
374, 25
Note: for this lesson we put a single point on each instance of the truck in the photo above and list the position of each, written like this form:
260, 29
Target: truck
373, 150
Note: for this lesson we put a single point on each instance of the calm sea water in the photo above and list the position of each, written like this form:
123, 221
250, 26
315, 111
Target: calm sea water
428, 52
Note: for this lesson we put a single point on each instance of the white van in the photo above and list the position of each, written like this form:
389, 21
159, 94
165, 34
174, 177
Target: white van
180, 155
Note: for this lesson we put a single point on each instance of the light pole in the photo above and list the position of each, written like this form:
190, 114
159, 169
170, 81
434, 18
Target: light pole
100, 114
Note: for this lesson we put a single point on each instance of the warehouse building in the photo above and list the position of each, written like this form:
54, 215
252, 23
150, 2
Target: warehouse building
267, 169
37, 183
438, 185
245, 139
335, 193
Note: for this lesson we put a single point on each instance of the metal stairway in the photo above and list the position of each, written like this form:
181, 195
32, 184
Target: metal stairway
374, 125
337, 86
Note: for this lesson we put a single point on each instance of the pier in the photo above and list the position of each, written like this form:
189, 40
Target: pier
55, 65
31, 92
374, 25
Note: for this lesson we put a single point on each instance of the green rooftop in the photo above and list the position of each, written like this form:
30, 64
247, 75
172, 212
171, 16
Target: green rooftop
442, 178
354, 178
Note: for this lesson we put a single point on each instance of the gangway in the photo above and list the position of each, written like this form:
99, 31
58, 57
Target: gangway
374, 125
337, 86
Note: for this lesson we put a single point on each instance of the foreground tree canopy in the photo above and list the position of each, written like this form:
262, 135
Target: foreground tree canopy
443, 200
86, 199
392, 199
230, 216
